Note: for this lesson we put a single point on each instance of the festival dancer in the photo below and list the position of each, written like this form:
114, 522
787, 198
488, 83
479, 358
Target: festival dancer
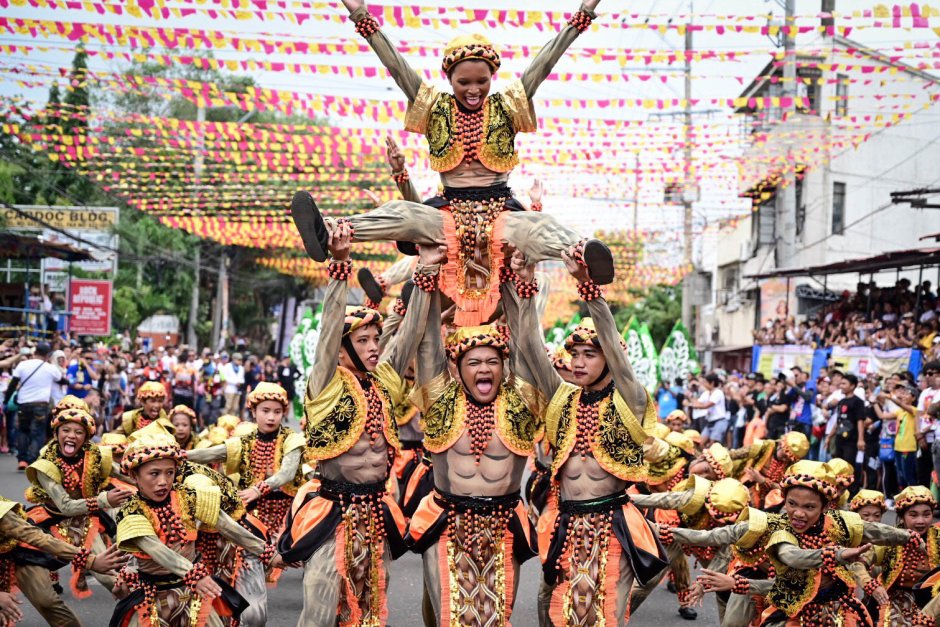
699, 504
903, 567
763, 464
592, 540
159, 527
70, 481
151, 397
267, 462
472, 530
677, 420
714, 463
471, 138
810, 547
844, 477
345, 526
184, 422
26, 554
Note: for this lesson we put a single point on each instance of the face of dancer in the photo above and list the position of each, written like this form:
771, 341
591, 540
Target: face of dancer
918, 518
152, 407
703, 469
268, 415
365, 341
481, 370
587, 365
184, 427
870, 513
803, 507
71, 437
470, 81
155, 478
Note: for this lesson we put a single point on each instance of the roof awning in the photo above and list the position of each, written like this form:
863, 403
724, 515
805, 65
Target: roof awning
894, 260
22, 247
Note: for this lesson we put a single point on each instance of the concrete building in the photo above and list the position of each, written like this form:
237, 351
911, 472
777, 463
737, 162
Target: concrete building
864, 126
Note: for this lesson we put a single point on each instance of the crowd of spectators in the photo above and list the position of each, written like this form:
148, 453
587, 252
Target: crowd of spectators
882, 318
107, 377
888, 427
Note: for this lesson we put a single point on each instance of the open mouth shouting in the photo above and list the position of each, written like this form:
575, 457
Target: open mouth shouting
70, 447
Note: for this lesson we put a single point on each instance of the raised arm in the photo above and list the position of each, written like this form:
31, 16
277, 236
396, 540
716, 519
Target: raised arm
431, 361
402, 351
543, 63
331, 320
408, 80
396, 160
526, 331
625, 381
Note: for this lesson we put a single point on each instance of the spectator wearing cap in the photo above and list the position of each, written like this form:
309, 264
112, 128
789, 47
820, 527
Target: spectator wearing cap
233, 374
32, 383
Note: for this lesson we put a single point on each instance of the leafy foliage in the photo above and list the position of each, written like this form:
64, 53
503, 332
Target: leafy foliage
659, 307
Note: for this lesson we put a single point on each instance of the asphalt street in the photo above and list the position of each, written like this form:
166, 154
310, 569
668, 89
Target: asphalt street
285, 601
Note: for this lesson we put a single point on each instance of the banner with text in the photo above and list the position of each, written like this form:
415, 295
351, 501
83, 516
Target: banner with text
776, 359
863, 360
90, 304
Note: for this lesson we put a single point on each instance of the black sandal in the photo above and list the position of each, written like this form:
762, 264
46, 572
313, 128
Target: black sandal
599, 262
310, 226
370, 285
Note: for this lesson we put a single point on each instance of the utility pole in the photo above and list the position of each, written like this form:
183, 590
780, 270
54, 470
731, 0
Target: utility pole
687, 186
786, 208
198, 164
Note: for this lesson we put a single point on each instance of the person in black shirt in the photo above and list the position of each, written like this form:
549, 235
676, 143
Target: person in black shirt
850, 425
778, 411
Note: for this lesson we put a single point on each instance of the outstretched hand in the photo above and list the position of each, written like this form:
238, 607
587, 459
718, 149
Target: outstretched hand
714, 581
577, 270
536, 191
853, 555
396, 158
340, 240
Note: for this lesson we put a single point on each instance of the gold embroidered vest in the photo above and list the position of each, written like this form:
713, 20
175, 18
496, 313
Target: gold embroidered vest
239, 458
618, 443
96, 471
446, 420
336, 419
13, 509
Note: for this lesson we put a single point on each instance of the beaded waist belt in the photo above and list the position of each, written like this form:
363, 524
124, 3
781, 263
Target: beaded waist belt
493, 192
593, 506
459, 503
336, 490
411, 445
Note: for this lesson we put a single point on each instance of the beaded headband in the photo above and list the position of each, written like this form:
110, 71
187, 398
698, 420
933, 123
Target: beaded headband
469, 48
357, 317
467, 338
561, 358
183, 409
796, 445
914, 495
725, 499
718, 460
823, 487
266, 391
78, 416
586, 333
868, 497
150, 389
70, 401
149, 448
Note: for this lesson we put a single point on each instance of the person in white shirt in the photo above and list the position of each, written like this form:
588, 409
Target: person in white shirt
233, 374
32, 382
716, 415
927, 426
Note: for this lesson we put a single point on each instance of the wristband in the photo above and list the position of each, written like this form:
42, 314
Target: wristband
339, 270
270, 550
742, 585
399, 307
92, 505
401, 177
665, 535
536, 206
263, 489
506, 274
526, 289
580, 20
589, 290
80, 561
425, 282
367, 26
195, 575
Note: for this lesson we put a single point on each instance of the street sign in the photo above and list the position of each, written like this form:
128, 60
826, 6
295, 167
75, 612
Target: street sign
90, 304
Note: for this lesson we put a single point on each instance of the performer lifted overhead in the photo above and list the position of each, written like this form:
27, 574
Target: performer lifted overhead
471, 140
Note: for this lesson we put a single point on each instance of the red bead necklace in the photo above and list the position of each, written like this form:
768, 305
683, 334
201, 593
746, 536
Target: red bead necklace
71, 473
481, 421
170, 523
588, 420
262, 458
469, 132
375, 419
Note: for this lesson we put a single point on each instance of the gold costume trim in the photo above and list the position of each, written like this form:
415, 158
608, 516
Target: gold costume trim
699, 487
521, 110
756, 527
233, 455
419, 111
131, 527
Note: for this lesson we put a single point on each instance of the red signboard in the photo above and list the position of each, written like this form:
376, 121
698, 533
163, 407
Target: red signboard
90, 304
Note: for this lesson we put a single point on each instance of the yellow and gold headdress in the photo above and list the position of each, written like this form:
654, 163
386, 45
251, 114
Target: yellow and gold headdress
726, 499
843, 472
719, 459
78, 416
868, 497
358, 316
681, 441
469, 48
266, 391
150, 389
914, 495
148, 448
815, 476
796, 445
183, 409
70, 401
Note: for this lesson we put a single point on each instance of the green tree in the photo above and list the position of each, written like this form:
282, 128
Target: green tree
659, 307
